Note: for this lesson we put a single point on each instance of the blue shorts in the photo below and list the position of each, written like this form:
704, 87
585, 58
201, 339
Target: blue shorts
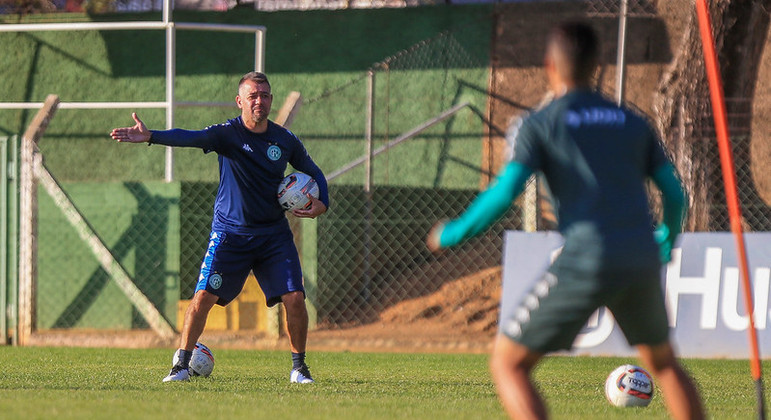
229, 257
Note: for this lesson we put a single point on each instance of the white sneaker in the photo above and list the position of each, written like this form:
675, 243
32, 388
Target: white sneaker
301, 376
178, 373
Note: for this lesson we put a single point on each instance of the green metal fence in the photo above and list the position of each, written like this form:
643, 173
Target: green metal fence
139, 223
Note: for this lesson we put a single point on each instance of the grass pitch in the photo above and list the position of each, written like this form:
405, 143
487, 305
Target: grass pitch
78, 383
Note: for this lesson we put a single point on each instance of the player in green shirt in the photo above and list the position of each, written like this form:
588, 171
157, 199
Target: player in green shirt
596, 158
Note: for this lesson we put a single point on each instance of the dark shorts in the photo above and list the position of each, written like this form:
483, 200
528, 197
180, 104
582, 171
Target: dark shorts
230, 257
551, 316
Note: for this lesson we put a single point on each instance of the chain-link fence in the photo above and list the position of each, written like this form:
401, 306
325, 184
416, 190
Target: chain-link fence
369, 249
613, 8
699, 163
371, 245
139, 224
449, 112
594, 7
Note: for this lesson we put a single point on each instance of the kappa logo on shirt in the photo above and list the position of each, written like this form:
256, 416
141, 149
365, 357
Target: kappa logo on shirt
248, 148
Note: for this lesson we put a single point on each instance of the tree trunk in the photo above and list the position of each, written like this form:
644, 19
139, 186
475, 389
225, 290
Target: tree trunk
684, 113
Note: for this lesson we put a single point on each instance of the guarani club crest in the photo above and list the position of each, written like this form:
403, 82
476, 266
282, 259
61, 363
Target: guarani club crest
215, 281
274, 152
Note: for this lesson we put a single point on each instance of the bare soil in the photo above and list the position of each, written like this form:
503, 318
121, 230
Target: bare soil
462, 316
459, 317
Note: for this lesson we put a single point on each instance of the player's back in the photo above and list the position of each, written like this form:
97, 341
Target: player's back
596, 157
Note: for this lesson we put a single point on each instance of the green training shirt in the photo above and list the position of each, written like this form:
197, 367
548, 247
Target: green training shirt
595, 157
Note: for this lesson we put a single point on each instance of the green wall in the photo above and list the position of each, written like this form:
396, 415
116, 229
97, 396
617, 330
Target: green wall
155, 229
314, 52
139, 223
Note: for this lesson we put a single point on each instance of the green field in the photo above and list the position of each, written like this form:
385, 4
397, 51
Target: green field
76, 383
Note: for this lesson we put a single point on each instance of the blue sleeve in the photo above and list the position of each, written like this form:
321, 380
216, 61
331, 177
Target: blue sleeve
488, 206
202, 139
303, 163
656, 156
674, 201
527, 144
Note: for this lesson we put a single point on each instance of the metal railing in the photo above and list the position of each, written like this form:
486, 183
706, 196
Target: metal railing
170, 27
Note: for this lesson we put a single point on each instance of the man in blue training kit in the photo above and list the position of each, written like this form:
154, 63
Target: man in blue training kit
249, 229
596, 158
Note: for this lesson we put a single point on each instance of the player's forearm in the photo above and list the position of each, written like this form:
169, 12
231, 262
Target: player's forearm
487, 207
309, 167
321, 181
180, 138
674, 199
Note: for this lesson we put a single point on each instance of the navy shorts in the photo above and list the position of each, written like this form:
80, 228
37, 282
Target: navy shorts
229, 257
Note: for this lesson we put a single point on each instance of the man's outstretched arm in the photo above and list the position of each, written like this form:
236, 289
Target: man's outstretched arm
175, 137
484, 210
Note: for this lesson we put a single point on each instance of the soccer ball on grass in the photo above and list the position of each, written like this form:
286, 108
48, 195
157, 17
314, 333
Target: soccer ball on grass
629, 386
202, 361
294, 189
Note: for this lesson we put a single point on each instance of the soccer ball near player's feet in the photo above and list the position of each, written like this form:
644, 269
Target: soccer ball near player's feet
629, 386
202, 361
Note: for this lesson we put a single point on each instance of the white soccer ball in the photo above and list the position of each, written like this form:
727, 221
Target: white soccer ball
294, 189
629, 386
202, 361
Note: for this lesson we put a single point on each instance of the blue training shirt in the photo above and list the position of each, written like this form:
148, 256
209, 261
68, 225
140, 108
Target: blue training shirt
252, 166
596, 158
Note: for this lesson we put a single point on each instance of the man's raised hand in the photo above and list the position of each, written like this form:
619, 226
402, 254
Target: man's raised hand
136, 134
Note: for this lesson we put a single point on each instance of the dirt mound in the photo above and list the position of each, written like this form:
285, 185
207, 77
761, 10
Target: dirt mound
462, 316
468, 304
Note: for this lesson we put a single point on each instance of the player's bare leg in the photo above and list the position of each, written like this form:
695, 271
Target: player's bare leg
511, 365
297, 330
296, 320
680, 394
195, 318
195, 321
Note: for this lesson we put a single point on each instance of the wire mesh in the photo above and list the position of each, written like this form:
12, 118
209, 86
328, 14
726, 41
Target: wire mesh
369, 248
636, 8
372, 253
136, 221
371, 245
594, 7
700, 167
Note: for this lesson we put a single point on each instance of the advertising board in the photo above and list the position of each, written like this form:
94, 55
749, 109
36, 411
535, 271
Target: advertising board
704, 295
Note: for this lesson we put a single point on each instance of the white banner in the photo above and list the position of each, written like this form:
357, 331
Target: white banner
704, 295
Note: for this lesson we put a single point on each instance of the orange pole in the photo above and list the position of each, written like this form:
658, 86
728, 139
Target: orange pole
729, 179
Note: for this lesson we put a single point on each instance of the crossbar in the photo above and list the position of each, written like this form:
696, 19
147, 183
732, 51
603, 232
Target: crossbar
127, 26
85, 105
81, 26
170, 28
116, 105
